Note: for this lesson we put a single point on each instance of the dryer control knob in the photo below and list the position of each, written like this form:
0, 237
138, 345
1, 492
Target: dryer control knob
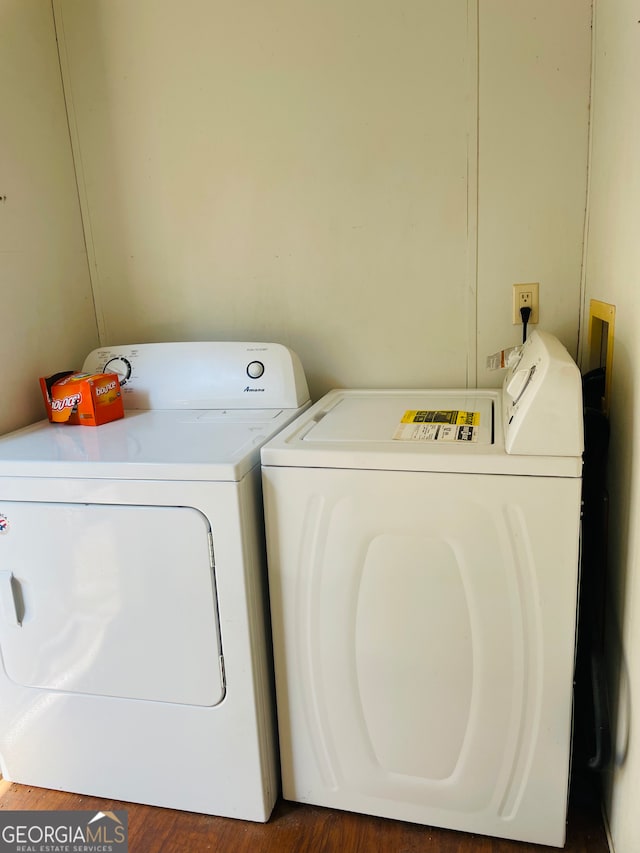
255, 369
120, 366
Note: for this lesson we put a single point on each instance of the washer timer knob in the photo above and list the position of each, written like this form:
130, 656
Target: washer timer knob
120, 366
255, 369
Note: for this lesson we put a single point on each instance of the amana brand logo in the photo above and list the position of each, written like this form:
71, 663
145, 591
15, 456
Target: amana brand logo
253, 389
106, 388
63, 832
66, 402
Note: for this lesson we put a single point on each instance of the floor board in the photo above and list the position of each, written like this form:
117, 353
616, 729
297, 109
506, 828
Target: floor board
296, 828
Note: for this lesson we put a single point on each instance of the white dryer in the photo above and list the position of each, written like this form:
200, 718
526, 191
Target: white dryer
423, 568
133, 606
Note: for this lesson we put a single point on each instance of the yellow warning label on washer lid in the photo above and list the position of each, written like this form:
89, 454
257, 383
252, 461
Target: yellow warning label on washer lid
445, 416
438, 425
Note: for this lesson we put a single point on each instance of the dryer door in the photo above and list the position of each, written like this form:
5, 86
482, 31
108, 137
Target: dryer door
110, 600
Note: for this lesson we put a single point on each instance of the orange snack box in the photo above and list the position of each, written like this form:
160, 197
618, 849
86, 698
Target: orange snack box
82, 398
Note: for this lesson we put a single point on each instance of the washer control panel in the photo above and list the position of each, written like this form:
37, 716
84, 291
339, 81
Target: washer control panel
542, 400
204, 375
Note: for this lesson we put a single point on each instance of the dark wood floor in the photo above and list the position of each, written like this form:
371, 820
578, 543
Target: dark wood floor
295, 828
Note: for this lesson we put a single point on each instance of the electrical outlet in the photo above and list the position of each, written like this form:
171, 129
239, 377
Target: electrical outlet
526, 296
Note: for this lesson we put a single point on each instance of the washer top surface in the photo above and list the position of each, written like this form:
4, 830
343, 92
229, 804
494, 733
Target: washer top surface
409, 430
532, 425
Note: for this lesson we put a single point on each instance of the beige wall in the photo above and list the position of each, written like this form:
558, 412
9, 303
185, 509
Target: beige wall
292, 171
613, 275
47, 320
360, 180
534, 61
308, 172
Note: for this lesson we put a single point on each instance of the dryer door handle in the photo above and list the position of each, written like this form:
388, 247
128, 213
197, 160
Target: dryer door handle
11, 599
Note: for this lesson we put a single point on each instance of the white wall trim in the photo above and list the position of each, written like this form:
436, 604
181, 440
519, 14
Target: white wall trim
472, 196
584, 309
76, 154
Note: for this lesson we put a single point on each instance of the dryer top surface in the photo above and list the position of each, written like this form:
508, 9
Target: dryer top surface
197, 410
198, 444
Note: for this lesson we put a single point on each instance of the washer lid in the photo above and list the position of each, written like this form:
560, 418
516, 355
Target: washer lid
456, 431
425, 417
154, 445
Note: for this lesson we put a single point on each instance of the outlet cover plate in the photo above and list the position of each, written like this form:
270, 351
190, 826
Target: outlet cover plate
526, 294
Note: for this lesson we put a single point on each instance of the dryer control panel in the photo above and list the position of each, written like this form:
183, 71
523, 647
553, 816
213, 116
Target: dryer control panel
204, 375
542, 400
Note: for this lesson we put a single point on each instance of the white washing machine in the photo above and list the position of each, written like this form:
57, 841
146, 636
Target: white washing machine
133, 605
423, 568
